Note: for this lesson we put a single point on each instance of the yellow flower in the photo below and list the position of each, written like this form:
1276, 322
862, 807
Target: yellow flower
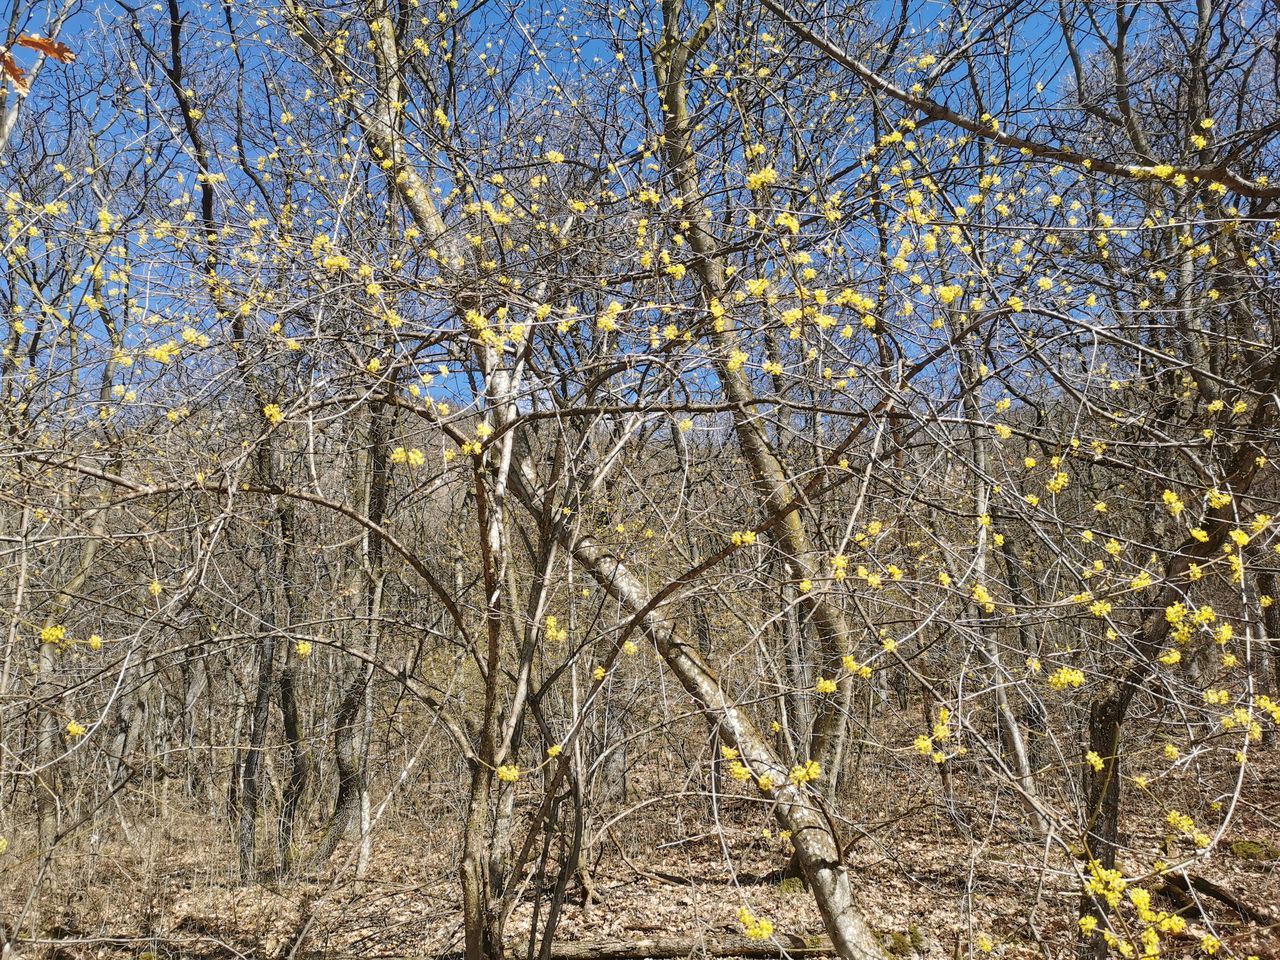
754, 927
788, 221
1108, 884
75, 729
839, 563
303, 648
608, 320
764, 177
806, 772
509, 773
1065, 677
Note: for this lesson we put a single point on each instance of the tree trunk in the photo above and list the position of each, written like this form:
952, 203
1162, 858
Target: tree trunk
250, 784
1102, 805
477, 900
1271, 624
818, 610
299, 764
797, 807
346, 808
299, 755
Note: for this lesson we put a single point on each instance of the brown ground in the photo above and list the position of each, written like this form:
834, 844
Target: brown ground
166, 889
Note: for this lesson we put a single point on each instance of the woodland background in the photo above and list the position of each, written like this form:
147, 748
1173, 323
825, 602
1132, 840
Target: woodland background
639, 479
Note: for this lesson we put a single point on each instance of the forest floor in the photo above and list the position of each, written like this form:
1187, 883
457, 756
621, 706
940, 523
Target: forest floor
930, 890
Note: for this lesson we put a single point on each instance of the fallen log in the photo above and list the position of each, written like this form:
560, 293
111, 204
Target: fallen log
1179, 888
671, 948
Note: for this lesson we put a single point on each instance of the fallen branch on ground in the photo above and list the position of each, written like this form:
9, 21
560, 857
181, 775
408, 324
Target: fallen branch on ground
668, 948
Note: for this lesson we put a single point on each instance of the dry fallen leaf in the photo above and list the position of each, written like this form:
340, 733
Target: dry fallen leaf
14, 73
42, 45
50, 48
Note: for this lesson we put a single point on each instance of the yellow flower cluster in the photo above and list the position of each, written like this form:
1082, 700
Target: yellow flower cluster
1065, 677
862, 670
806, 772
764, 177
410, 455
754, 927
1105, 883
